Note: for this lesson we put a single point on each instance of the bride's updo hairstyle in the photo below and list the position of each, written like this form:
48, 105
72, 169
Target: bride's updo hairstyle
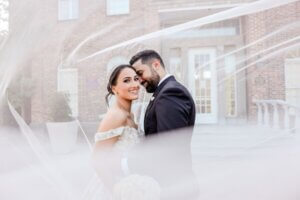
113, 79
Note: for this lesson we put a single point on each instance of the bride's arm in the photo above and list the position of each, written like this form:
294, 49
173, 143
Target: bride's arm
105, 161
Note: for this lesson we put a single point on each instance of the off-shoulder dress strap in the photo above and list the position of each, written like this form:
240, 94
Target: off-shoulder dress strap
100, 136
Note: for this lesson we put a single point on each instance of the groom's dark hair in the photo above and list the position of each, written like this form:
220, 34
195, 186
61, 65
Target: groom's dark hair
146, 57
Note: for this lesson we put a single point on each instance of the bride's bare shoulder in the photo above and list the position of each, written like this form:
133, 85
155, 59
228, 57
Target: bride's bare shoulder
114, 118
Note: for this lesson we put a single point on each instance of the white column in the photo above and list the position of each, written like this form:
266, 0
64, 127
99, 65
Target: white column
275, 116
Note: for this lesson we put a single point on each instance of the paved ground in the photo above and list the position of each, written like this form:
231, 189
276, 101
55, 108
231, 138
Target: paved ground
231, 162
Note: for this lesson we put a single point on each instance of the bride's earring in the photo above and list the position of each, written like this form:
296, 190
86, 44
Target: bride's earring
116, 93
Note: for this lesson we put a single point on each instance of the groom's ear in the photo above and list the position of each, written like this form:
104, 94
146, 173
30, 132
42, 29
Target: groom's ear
156, 64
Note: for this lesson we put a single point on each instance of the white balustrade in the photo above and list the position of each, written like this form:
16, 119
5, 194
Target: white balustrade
286, 117
259, 114
264, 112
276, 121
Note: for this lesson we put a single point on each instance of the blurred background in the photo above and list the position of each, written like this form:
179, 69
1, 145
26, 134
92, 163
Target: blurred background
240, 59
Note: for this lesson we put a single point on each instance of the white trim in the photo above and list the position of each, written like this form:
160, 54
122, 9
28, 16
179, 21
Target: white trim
201, 7
235, 82
204, 33
292, 60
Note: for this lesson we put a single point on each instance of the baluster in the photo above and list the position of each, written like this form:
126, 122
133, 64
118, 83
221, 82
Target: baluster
259, 114
266, 115
286, 117
275, 116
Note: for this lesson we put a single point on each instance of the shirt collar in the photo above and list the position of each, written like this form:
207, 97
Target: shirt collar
164, 78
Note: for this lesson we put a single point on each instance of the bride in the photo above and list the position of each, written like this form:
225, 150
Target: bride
117, 134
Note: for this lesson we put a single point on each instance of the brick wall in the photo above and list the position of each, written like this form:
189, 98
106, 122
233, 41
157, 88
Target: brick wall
265, 80
52, 41
65, 36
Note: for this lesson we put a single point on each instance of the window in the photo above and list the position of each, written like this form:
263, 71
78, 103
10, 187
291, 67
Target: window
175, 64
114, 62
292, 83
67, 81
230, 86
117, 7
67, 9
4, 18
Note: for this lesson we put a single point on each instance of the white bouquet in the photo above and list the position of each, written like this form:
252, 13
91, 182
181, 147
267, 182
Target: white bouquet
137, 187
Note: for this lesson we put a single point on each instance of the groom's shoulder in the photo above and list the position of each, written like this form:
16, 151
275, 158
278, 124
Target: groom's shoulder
174, 87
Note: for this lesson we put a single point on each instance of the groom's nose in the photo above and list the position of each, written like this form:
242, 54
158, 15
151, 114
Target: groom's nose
141, 80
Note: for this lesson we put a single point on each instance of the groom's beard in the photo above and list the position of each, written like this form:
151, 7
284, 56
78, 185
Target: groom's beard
152, 84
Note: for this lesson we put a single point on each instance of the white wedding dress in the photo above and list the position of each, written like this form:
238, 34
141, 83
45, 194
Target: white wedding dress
130, 186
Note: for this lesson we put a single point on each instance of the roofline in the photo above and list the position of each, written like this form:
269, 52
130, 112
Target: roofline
201, 7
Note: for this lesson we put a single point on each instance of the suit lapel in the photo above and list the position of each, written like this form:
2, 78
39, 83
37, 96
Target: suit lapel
158, 89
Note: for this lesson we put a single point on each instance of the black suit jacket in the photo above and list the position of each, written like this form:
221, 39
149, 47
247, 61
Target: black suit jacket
167, 157
171, 107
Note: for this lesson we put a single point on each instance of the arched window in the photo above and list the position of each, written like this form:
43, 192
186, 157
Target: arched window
114, 62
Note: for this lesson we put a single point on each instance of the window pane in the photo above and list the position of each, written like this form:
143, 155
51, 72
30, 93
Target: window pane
117, 7
68, 9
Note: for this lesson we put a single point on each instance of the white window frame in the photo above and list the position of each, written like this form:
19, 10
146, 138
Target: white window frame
230, 68
117, 7
68, 9
212, 117
292, 85
72, 91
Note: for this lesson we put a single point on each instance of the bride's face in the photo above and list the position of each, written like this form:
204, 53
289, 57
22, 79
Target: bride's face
128, 85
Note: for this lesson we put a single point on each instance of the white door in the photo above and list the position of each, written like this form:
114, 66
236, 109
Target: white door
203, 84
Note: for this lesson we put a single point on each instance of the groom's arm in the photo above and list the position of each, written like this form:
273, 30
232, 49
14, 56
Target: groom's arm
172, 110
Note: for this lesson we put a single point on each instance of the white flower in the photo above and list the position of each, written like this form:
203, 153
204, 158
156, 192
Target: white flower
137, 187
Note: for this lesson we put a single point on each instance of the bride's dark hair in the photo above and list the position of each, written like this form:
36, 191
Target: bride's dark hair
113, 79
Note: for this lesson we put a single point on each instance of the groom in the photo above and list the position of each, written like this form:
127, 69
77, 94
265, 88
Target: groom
171, 106
170, 109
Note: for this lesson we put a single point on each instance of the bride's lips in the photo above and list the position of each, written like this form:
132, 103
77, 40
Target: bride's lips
135, 92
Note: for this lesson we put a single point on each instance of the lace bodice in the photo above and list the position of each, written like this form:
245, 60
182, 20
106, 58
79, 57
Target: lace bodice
128, 137
130, 186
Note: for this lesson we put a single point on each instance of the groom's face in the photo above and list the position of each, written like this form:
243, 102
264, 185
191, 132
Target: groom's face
149, 78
